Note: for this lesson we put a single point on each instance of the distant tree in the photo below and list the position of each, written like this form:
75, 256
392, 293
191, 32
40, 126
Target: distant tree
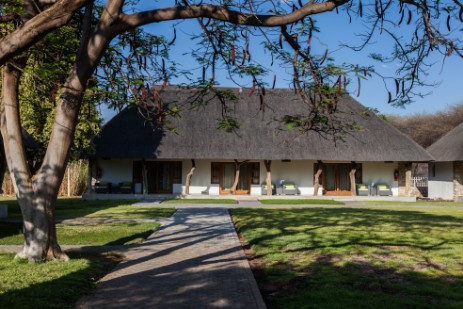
426, 129
287, 28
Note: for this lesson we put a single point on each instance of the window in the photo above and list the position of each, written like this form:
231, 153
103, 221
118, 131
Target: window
255, 176
215, 179
177, 172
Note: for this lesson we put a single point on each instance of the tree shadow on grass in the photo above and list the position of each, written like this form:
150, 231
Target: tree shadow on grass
360, 284
355, 258
8, 229
61, 292
346, 227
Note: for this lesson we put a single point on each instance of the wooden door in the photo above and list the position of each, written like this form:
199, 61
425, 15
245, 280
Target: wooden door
336, 180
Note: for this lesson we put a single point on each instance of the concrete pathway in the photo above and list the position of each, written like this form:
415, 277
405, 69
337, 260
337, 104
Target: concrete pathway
194, 261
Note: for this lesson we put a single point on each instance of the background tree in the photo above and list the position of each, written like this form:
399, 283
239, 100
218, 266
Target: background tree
426, 129
227, 27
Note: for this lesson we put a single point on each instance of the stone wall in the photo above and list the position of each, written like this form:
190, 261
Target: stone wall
457, 180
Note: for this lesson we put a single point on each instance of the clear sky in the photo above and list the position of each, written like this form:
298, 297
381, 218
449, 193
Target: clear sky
335, 30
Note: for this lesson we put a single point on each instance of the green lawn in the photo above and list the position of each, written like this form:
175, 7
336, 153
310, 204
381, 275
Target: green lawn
77, 208
86, 234
52, 284
299, 202
392, 256
60, 284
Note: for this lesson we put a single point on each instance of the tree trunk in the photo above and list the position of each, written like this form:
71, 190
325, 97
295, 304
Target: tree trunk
237, 175
268, 179
352, 179
188, 177
316, 181
37, 195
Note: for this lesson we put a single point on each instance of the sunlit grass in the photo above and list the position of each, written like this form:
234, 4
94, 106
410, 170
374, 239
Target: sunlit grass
75, 208
394, 256
86, 234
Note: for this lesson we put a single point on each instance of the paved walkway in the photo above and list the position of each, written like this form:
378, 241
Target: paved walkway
194, 261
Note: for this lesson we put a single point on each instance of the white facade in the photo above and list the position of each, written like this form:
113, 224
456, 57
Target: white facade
440, 180
299, 172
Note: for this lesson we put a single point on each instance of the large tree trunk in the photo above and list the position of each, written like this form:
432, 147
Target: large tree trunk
36, 207
316, 181
188, 177
37, 195
268, 179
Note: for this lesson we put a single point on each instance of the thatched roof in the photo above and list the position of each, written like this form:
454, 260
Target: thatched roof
260, 137
449, 147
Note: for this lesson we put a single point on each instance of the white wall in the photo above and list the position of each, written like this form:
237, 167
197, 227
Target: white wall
115, 171
380, 172
299, 172
440, 184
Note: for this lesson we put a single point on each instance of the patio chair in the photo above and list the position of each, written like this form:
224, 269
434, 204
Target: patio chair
125, 187
264, 188
362, 190
103, 187
383, 190
289, 188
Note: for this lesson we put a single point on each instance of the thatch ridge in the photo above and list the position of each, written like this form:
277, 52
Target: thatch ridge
260, 137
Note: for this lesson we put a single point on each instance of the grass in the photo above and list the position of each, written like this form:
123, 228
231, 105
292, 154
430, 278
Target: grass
86, 234
390, 256
60, 284
78, 208
52, 284
200, 201
300, 202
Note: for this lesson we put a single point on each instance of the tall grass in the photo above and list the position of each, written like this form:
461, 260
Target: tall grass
77, 172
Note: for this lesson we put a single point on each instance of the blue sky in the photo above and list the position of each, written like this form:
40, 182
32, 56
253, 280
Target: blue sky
335, 29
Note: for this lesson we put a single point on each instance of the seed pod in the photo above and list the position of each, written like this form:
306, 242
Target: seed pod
448, 23
359, 86
401, 16
389, 97
339, 85
164, 83
233, 55
397, 86
324, 57
449, 51
274, 81
281, 41
409, 20
360, 9
253, 88
175, 37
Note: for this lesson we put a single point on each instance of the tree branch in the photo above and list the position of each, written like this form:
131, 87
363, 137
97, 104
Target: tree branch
127, 22
54, 17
